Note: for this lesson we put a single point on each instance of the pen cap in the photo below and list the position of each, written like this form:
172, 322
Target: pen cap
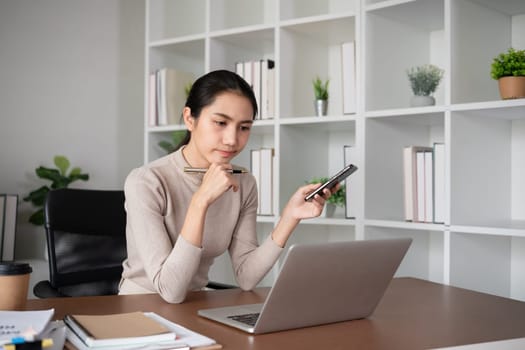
14, 282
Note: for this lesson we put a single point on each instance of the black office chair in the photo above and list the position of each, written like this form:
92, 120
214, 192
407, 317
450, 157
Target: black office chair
86, 243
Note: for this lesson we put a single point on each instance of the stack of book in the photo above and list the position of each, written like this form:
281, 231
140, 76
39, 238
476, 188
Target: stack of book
8, 214
260, 75
262, 168
167, 90
133, 330
424, 183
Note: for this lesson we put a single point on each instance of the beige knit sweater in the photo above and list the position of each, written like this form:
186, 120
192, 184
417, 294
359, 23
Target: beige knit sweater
159, 261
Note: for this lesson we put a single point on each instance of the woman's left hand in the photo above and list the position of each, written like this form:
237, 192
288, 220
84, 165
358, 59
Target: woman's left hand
298, 208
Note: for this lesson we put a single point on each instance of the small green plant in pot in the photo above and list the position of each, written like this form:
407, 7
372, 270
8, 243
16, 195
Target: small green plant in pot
508, 68
321, 95
337, 199
59, 177
424, 81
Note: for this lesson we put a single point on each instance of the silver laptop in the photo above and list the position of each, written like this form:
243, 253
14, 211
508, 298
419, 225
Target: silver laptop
319, 284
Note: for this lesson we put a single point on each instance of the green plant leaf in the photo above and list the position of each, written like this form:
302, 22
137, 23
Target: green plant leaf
75, 171
62, 163
37, 218
58, 178
52, 175
38, 196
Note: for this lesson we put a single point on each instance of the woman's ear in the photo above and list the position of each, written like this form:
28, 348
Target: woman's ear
189, 121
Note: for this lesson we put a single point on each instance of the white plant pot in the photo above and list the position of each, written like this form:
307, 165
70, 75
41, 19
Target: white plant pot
329, 210
421, 101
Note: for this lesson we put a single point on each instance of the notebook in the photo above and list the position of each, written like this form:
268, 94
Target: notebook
320, 284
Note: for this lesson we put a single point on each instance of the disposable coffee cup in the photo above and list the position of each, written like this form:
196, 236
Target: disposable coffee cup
14, 284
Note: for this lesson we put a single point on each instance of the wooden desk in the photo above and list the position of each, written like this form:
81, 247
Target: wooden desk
413, 314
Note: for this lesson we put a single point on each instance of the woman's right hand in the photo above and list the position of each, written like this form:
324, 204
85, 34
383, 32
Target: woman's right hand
217, 180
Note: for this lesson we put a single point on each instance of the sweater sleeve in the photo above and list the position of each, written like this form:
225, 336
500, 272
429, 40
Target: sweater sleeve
169, 266
250, 261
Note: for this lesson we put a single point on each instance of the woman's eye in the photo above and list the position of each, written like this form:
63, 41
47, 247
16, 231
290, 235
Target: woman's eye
220, 122
245, 128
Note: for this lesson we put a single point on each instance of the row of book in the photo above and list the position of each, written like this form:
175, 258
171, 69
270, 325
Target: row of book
167, 94
260, 75
8, 214
262, 168
424, 183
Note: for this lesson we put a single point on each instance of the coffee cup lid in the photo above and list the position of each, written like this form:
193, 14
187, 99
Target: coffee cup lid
14, 268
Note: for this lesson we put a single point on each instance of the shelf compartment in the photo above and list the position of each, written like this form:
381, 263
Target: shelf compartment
424, 258
166, 20
487, 263
320, 155
226, 50
187, 56
482, 29
399, 37
384, 142
487, 166
293, 9
310, 50
226, 14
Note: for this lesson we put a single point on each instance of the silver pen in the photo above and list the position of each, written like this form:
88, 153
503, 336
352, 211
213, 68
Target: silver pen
203, 170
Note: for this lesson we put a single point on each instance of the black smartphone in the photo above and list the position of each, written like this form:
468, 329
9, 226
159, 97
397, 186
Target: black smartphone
334, 180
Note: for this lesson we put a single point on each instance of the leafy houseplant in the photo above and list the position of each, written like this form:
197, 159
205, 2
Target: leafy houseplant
509, 69
59, 177
321, 95
320, 88
424, 81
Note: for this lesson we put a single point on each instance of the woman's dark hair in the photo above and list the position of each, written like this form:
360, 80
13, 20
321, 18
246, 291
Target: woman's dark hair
205, 89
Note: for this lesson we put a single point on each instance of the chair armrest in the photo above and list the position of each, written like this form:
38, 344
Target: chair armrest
44, 289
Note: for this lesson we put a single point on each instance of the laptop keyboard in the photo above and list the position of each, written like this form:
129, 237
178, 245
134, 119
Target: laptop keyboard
249, 319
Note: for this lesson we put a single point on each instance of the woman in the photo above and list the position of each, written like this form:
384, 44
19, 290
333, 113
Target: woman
178, 222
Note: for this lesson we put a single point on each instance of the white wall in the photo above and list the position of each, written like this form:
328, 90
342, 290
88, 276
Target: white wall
71, 83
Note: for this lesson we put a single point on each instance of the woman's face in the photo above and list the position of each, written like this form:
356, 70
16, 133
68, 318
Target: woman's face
220, 132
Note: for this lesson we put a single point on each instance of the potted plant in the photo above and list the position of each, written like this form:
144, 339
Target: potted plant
424, 81
337, 199
508, 69
321, 95
59, 177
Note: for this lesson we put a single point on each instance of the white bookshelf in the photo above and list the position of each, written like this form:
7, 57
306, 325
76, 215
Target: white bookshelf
481, 245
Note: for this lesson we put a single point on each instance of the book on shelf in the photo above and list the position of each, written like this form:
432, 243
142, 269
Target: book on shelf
350, 157
169, 93
267, 106
429, 186
348, 77
260, 75
420, 186
410, 183
152, 100
262, 168
8, 216
255, 166
439, 182
131, 331
256, 84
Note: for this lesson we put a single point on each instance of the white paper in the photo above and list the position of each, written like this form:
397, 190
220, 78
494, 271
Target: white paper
15, 324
